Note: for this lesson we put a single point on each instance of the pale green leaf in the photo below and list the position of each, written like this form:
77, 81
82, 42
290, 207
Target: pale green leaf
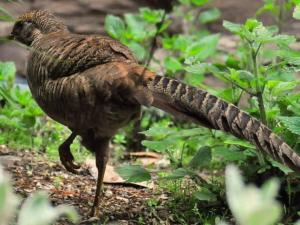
133, 173
209, 16
114, 26
202, 158
292, 123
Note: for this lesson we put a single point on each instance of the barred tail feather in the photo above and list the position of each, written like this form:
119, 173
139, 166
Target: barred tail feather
210, 111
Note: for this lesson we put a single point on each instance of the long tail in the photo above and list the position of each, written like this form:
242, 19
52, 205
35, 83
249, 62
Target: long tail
210, 111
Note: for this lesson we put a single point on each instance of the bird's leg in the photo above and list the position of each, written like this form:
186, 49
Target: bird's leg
102, 154
66, 157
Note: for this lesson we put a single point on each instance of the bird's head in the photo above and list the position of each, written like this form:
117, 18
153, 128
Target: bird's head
33, 24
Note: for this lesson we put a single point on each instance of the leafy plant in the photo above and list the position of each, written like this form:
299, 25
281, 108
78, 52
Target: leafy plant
261, 206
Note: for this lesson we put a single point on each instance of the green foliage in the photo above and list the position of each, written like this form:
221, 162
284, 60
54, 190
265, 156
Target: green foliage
291, 123
5, 15
133, 173
209, 16
136, 30
36, 210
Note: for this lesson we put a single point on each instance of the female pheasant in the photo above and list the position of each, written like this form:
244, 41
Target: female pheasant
94, 85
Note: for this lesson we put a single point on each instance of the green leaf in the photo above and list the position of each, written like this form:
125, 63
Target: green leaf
138, 50
200, 2
187, 133
160, 146
205, 195
291, 123
232, 27
204, 48
281, 87
28, 121
209, 16
152, 16
136, 27
280, 166
198, 68
242, 143
159, 132
5, 15
228, 155
178, 174
202, 158
296, 13
114, 26
172, 64
7, 71
133, 173
252, 24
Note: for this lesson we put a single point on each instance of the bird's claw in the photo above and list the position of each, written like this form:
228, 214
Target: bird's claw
67, 159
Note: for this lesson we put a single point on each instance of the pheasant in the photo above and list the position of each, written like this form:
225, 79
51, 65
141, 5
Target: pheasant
94, 85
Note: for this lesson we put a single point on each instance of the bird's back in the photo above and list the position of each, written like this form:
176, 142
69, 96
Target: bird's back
64, 73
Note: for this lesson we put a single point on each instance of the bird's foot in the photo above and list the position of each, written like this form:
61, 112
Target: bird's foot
67, 159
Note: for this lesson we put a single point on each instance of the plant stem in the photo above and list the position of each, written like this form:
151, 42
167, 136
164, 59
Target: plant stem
259, 90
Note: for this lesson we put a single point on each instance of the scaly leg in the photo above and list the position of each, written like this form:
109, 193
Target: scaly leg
102, 154
66, 157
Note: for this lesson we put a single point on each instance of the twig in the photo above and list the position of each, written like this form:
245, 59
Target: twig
153, 44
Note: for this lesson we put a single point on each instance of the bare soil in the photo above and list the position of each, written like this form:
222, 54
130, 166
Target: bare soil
122, 204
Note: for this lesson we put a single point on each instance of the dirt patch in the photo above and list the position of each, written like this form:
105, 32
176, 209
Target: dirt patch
31, 171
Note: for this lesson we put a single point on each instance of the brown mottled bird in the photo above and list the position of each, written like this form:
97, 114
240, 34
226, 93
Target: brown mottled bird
94, 86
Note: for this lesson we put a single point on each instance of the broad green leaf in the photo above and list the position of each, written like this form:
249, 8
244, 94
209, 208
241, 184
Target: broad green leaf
136, 27
280, 87
202, 158
133, 173
187, 133
152, 16
204, 48
178, 174
159, 132
228, 155
198, 68
160, 146
172, 64
114, 26
209, 16
138, 50
232, 27
280, 166
292, 123
205, 195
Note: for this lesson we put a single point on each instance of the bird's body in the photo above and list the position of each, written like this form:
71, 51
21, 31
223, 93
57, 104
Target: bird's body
94, 85
85, 103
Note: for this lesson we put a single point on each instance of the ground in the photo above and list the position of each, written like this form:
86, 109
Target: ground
122, 204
